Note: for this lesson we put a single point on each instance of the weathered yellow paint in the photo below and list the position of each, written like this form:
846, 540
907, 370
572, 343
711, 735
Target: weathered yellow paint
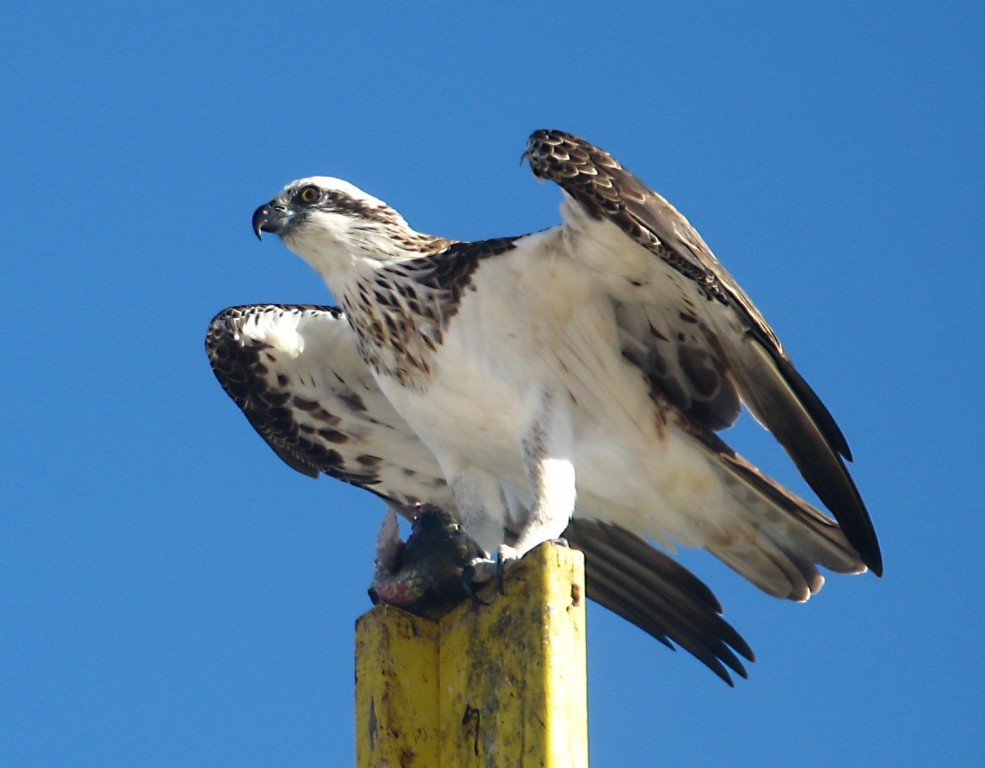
512, 674
396, 690
500, 686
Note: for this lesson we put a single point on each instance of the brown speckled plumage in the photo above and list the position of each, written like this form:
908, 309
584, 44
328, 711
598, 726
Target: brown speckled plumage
401, 314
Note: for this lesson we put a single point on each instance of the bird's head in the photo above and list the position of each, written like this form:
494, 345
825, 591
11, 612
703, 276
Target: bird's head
324, 219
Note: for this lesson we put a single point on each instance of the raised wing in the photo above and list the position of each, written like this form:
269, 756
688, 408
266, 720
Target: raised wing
296, 374
689, 326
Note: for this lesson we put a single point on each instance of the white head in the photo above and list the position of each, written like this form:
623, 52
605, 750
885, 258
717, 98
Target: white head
330, 222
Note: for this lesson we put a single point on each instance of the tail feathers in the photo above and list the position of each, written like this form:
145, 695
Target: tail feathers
778, 573
644, 586
775, 538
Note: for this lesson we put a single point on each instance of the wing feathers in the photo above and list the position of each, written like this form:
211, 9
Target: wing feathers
769, 534
660, 596
296, 374
773, 401
767, 380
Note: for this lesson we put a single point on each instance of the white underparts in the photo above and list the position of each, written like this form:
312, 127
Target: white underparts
480, 502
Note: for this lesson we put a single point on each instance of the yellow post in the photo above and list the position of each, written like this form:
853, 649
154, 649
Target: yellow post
396, 690
497, 686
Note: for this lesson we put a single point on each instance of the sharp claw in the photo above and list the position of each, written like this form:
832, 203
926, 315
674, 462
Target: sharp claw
471, 586
474, 576
504, 557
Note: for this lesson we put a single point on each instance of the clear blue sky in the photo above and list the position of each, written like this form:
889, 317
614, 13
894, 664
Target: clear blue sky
172, 595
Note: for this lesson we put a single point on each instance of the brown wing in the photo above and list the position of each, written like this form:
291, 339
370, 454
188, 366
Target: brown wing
657, 594
295, 373
740, 346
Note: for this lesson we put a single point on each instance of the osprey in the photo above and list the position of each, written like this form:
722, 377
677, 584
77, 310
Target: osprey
570, 381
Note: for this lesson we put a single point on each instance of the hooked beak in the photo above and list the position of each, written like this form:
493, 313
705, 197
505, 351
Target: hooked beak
270, 217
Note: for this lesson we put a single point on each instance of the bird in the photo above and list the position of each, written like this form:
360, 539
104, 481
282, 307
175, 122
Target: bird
572, 382
586, 369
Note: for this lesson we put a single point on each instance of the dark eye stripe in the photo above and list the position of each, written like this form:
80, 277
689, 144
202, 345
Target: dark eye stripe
337, 201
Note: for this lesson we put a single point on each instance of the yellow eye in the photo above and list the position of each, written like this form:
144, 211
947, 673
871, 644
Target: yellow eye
309, 194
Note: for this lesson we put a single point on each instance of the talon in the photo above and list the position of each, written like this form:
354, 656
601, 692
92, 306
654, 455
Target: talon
475, 575
504, 557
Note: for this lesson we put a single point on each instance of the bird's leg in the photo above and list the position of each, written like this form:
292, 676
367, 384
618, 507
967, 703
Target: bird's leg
480, 502
547, 448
